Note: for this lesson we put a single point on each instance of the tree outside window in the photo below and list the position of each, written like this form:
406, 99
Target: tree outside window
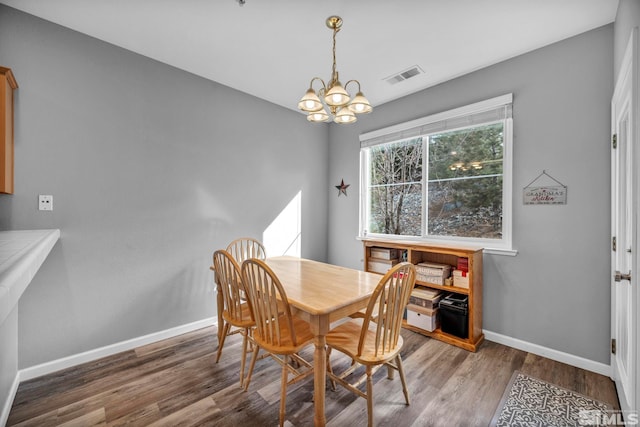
463, 170
396, 188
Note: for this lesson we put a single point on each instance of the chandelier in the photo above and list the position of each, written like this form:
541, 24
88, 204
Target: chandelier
342, 108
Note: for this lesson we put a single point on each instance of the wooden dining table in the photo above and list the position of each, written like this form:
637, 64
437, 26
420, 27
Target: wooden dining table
321, 294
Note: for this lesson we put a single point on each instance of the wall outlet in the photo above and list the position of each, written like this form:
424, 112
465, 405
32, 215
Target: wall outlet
45, 202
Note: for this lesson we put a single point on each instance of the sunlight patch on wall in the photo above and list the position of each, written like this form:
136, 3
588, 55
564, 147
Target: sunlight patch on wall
284, 234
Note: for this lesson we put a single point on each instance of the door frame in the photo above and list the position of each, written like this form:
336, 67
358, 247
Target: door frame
628, 76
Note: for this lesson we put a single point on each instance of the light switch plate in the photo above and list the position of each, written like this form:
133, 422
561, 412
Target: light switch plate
45, 202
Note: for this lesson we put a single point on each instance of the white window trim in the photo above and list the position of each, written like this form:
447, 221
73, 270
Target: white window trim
445, 115
498, 247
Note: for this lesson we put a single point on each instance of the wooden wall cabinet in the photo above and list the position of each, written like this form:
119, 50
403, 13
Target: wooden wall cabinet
417, 252
7, 85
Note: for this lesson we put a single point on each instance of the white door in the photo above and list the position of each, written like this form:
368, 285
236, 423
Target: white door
624, 188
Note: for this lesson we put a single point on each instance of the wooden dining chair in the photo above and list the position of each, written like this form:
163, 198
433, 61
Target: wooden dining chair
240, 249
277, 331
236, 311
246, 248
374, 340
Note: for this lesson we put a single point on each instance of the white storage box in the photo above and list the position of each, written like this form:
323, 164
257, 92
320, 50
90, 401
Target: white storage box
380, 265
461, 279
384, 253
432, 272
426, 298
422, 318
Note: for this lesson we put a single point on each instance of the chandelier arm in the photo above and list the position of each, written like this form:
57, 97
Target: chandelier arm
324, 86
355, 81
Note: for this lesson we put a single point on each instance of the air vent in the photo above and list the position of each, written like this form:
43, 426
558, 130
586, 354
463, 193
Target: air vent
404, 75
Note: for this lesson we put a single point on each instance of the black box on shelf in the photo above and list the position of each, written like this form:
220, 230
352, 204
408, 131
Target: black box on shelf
454, 315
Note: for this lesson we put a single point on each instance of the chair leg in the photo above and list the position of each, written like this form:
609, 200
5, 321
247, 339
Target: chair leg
402, 378
330, 369
244, 355
390, 372
254, 357
294, 362
225, 331
283, 390
369, 397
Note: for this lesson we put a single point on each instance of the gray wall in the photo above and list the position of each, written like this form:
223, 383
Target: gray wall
151, 169
555, 292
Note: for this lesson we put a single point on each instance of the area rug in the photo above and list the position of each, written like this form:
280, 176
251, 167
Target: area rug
530, 402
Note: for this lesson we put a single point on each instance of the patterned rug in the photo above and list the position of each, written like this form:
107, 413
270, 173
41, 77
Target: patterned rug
530, 402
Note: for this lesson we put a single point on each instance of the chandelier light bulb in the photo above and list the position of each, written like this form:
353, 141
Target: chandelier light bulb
360, 104
336, 95
318, 116
345, 115
310, 101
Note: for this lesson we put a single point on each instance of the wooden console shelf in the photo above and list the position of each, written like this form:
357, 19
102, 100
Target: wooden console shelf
7, 86
418, 252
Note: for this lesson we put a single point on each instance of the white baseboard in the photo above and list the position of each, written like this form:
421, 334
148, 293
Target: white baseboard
88, 356
549, 353
4, 415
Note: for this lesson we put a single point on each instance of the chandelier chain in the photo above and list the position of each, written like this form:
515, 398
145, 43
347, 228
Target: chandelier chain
334, 73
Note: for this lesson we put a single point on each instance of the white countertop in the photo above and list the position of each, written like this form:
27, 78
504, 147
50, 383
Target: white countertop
22, 252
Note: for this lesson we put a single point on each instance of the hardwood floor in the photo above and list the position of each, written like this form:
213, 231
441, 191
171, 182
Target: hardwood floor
176, 383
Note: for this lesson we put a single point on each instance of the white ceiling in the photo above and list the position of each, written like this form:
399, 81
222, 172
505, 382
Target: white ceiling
272, 48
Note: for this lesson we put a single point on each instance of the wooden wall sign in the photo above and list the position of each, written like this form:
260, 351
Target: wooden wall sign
545, 194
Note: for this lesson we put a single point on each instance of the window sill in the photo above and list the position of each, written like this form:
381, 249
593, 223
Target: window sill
498, 251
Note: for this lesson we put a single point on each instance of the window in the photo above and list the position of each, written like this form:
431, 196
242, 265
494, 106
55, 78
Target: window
442, 177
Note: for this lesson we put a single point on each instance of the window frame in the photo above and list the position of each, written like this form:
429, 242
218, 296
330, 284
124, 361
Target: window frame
413, 129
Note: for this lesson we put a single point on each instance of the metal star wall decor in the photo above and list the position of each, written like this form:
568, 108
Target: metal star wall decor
342, 188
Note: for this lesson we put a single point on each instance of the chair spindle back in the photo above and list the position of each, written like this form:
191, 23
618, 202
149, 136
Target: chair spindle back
386, 308
229, 277
245, 248
269, 304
